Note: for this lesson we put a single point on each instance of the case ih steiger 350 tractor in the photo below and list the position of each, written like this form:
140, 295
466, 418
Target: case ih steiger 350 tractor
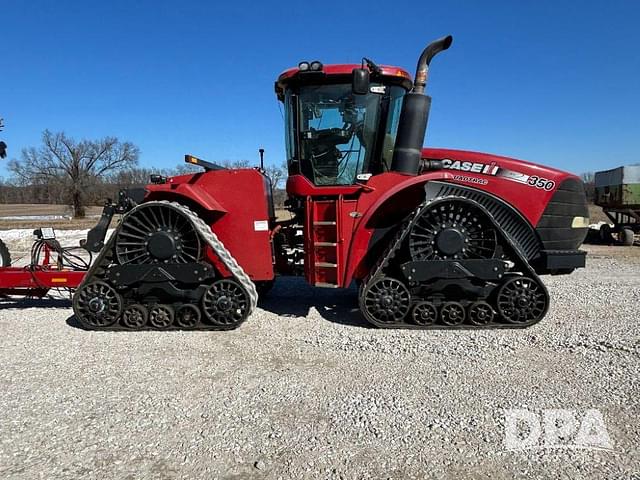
433, 238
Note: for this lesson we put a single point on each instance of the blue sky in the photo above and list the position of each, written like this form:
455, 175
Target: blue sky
553, 82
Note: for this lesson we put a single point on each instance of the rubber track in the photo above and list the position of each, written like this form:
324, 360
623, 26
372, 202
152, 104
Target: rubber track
105, 259
395, 246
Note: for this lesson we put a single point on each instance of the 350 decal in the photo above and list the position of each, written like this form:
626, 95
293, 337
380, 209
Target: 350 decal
541, 183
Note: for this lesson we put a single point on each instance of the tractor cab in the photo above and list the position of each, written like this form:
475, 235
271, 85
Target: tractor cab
341, 121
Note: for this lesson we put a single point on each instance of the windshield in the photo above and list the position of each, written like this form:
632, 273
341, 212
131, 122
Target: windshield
332, 136
336, 131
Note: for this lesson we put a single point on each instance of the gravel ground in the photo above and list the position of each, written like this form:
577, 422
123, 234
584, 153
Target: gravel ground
305, 390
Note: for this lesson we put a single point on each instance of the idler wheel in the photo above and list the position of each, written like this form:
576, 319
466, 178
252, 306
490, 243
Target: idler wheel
521, 300
97, 305
386, 300
225, 303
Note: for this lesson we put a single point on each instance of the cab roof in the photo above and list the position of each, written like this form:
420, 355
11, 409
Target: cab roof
338, 73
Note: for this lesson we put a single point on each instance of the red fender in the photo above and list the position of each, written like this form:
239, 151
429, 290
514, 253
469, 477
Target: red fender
406, 192
184, 191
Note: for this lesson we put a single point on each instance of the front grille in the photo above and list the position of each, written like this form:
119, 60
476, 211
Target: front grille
506, 216
554, 227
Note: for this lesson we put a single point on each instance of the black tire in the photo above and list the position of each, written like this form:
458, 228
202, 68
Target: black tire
605, 234
626, 237
5, 256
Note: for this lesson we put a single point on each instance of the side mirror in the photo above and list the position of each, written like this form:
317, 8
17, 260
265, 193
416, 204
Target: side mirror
360, 81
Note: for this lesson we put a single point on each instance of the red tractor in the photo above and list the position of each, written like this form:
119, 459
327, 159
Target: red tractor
433, 238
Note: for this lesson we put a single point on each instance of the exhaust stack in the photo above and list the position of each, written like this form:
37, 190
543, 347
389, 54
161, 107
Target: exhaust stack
415, 113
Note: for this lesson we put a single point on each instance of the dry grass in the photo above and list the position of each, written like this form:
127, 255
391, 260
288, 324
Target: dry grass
32, 209
20, 209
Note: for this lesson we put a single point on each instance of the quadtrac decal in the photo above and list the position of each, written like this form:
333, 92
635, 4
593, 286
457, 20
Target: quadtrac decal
494, 170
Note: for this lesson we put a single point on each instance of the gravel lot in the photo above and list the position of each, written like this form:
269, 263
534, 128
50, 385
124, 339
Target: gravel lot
305, 389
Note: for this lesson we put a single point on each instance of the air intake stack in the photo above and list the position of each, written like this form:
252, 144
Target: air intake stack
415, 113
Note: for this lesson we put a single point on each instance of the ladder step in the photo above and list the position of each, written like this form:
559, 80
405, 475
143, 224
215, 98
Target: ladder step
325, 244
324, 223
326, 285
326, 264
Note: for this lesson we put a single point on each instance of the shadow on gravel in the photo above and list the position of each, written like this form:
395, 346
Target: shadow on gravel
34, 303
293, 297
73, 322
41, 303
290, 297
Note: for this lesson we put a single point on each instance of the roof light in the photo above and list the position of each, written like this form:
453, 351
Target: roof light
303, 66
316, 66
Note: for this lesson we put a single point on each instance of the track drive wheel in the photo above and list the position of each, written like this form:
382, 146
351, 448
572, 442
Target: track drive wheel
424, 314
452, 229
452, 313
153, 234
521, 300
225, 303
385, 301
97, 305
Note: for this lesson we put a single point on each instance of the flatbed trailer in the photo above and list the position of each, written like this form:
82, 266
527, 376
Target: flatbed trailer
617, 191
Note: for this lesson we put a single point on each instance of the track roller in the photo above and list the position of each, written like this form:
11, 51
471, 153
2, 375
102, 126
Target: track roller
480, 313
135, 316
161, 316
452, 313
424, 313
97, 305
187, 316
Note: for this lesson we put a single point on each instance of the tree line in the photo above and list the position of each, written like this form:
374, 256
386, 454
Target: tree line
79, 173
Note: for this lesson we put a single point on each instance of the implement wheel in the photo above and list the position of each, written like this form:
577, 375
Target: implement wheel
5, 256
626, 237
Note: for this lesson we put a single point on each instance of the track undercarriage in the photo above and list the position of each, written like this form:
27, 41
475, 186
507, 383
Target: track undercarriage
156, 272
450, 265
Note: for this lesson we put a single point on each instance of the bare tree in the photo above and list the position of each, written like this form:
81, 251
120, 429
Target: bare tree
276, 174
76, 164
236, 164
